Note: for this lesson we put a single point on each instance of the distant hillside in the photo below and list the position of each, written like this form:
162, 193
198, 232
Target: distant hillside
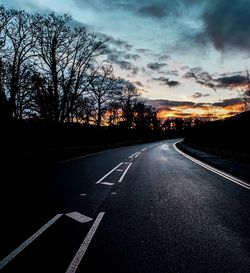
228, 138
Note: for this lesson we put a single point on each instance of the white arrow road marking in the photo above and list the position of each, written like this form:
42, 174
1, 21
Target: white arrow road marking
84, 246
79, 217
214, 170
123, 175
19, 249
100, 180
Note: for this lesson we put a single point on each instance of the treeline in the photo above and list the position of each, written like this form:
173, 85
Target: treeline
55, 72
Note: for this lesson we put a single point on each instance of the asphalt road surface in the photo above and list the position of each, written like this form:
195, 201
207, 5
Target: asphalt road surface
143, 208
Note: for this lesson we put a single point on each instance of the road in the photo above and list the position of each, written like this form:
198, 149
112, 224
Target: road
143, 208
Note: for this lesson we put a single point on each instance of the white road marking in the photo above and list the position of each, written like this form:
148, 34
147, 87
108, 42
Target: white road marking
214, 170
119, 170
84, 246
79, 217
133, 155
126, 163
123, 175
144, 149
19, 249
83, 194
107, 183
100, 180
138, 154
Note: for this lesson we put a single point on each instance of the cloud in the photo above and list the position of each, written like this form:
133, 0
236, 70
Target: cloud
172, 73
166, 81
155, 11
225, 81
228, 102
131, 56
232, 81
156, 66
198, 95
138, 83
115, 41
227, 24
188, 109
143, 50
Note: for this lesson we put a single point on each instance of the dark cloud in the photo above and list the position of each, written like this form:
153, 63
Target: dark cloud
138, 83
162, 104
156, 66
232, 81
198, 95
125, 65
115, 41
172, 73
170, 103
228, 102
155, 11
134, 71
227, 24
143, 50
225, 81
166, 81
131, 56
173, 83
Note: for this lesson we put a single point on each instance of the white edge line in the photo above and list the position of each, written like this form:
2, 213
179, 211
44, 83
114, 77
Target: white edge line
214, 170
19, 249
138, 154
100, 180
123, 175
84, 246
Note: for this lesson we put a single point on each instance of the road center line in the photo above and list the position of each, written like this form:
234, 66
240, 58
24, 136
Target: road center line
100, 180
144, 149
133, 155
123, 175
84, 246
214, 170
19, 249
138, 154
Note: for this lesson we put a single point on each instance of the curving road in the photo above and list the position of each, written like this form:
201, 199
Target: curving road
143, 208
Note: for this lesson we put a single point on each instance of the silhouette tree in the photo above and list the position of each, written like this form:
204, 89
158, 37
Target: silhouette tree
20, 40
104, 88
130, 95
65, 56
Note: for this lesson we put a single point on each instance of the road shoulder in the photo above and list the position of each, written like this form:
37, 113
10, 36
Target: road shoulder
234, 168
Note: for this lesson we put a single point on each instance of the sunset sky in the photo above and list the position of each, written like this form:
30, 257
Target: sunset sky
189, 57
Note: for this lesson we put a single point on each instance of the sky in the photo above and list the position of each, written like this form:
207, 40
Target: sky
188, 57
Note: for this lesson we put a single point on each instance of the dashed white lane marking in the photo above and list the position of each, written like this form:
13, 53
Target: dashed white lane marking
123, 175
84, 246
79, 217
133, 155
119, 170
144, 149
138, 154
101, 179
19, 249
214, 170
107, 183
